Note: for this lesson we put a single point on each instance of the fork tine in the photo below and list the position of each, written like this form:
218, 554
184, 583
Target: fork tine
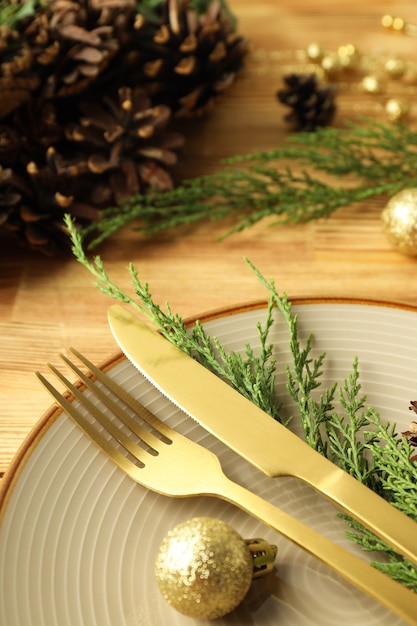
101, 442
131, 446
144, 435
129, 400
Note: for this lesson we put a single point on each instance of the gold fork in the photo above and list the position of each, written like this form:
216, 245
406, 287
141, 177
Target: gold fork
161, 459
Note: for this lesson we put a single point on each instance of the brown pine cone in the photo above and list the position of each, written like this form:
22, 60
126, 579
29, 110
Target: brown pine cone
108, 150
311, 104
73, 43
125, 142
191, 59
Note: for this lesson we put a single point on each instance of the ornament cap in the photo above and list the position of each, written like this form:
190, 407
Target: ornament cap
263, 554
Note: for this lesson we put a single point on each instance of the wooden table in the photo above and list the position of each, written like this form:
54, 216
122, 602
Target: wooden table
48, 304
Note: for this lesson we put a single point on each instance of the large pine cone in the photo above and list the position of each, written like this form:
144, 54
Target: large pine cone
191, 59
87, 90
79, 165
312, 105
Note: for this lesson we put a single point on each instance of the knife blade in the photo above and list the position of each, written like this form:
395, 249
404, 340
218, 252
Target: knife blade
251, 433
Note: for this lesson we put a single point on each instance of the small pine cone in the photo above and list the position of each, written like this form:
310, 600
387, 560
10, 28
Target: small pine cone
191, 59
311, 104
17, 79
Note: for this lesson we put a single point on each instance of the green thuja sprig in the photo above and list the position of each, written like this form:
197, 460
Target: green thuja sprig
392, 564
12, 12
304, 375
397, 473
342, 429
252, 374
286, 184
353, 437
201, 6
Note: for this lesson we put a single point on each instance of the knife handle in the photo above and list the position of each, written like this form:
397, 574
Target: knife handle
356, 571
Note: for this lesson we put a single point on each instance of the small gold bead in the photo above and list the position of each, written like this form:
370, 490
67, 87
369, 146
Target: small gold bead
371, 84
331, 64
396, 109
398, 24
315, 52
349, 56
394, 23
387, 21
395, 67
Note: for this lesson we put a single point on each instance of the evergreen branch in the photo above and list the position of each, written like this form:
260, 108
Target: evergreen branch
391, 455
13, 12
374, 158
392, 564
303, 376
253, 376
355, 439
201, 7
148, 8
345, 448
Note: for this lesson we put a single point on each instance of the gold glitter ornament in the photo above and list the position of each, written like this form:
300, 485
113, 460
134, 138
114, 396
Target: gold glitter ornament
399, 219
204, 568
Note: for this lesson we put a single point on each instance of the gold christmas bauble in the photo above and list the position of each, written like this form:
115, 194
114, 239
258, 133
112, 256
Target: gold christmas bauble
204, 568
399, 219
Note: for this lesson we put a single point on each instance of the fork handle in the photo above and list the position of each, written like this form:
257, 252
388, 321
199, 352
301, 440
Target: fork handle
391, 594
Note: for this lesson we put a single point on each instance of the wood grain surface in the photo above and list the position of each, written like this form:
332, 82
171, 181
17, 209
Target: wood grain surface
48, 304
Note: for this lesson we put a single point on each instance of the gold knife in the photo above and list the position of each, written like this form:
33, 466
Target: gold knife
251, 433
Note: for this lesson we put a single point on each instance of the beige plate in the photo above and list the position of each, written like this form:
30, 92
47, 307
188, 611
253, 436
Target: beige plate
78, 538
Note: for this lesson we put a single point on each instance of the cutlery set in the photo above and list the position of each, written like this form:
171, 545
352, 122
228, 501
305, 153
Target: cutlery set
161, 459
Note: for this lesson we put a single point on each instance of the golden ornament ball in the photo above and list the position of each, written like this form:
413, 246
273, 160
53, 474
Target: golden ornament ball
399, 220
204, 568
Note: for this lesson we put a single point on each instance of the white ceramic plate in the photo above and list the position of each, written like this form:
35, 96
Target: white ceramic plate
78, 538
